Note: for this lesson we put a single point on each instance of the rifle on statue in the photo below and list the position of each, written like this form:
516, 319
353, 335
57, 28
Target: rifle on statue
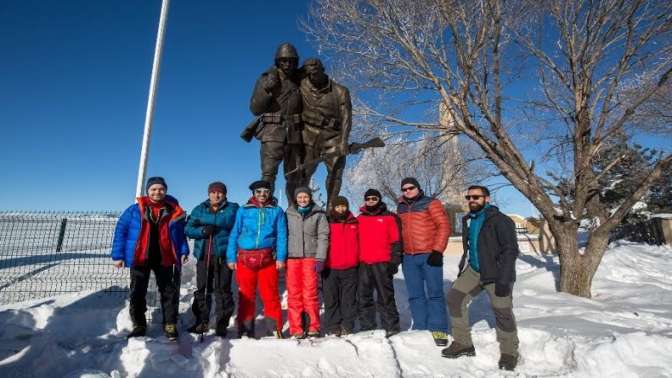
353, 148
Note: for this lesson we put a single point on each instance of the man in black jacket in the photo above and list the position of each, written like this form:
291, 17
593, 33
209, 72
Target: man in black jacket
491, 248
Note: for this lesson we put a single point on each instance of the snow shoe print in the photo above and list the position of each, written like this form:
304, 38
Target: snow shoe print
456, 350
508, 362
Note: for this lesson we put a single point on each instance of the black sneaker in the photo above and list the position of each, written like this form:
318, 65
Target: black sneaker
456, 350
199, 328
508, 362
170, 330
137, 331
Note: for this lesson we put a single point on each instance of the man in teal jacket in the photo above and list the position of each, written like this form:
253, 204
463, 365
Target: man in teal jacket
257, 251
209, 225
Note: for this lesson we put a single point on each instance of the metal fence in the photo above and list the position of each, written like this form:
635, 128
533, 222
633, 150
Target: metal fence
50, 253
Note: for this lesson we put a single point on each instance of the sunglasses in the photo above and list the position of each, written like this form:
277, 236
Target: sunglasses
371, 199
261, 191
408, 188
475, 197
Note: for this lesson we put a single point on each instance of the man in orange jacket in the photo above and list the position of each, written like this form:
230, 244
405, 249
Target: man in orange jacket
425, 232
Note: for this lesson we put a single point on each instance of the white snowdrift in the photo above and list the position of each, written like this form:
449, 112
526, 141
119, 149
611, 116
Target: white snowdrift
624, 331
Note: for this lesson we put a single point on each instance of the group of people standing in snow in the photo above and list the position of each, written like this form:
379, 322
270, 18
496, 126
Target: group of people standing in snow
352, 256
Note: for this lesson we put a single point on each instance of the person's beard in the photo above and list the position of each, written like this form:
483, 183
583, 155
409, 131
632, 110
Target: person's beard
475, 207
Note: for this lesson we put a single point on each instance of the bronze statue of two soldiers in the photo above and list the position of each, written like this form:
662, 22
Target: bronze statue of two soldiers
303, 118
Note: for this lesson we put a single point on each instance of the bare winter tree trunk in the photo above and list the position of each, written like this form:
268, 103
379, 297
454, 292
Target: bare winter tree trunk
578, 265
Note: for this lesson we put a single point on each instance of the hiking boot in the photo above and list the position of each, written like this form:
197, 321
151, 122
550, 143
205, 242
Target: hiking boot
440, 338
508, 362
199, 328
221, 331
391, 332
456, 350
170, 330
298, 336
137, 331
313, 333
278, 333
345, 331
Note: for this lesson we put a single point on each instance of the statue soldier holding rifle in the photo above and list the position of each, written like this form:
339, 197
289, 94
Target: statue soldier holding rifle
327, 121
277, 103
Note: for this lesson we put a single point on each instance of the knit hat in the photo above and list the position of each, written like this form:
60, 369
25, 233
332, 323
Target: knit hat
372, 192
155, 180
217, 186
303, 189
411, 180
340, 200
261, 184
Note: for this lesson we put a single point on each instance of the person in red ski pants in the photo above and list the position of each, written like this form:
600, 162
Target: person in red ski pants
307, 243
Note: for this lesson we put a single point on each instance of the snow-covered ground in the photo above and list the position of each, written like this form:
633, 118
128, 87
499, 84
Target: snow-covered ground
624, 331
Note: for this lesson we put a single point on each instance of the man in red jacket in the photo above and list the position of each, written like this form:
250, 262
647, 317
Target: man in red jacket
380, 256
425, 233
339, 278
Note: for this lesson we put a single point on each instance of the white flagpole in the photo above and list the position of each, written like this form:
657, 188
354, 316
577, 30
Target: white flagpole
149, 115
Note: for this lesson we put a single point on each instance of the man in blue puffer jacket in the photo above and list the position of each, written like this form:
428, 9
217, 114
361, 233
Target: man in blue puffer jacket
149, 236
209, 225
257, 251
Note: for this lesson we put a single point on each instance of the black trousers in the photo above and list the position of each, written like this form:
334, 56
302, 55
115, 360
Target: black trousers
339, 292
168, 282
217, 277
376, 277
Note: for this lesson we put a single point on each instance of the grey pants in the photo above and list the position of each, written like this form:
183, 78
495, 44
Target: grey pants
465, 288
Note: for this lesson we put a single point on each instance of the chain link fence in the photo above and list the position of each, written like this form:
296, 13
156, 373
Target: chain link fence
49, 253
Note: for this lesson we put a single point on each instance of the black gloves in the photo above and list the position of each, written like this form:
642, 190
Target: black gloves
208, 229
392, 268
435, 259
502, 289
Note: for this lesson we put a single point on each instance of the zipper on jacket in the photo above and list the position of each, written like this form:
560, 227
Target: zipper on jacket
260, 219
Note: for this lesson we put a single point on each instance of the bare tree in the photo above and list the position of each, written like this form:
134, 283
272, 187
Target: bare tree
439, 163
472, 56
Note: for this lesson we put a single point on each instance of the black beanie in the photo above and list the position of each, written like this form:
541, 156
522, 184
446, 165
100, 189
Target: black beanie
155, 180
340, 200
217, 186
373, 192
411, 180
261, 184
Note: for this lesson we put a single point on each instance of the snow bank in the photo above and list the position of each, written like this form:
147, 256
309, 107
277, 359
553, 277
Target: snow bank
624, 331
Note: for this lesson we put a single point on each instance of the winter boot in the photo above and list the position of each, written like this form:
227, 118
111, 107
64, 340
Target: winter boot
440, 338
313, 333
391, 332
221, 330
246, 328
137, 331
170, 330
278, 333
298, 336
456, 350
199, 327
345, 331
508, 362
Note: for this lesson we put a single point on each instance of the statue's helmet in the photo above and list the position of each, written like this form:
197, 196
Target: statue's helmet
286, 50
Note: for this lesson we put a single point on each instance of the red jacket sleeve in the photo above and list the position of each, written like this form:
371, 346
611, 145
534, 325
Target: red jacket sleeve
440, 219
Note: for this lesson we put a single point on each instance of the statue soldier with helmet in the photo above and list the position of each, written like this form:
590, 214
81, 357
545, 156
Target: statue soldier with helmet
276, 101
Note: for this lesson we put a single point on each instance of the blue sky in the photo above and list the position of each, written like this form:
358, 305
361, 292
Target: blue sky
74, 78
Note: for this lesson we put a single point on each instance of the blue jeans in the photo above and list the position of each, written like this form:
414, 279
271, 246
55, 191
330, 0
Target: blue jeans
427, 310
